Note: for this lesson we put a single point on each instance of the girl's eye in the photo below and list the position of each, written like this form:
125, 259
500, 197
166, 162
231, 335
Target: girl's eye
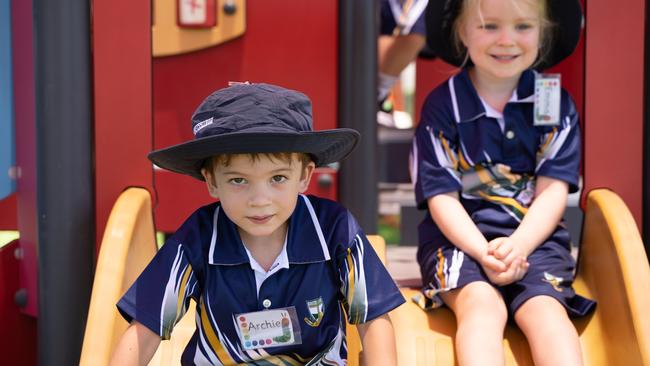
278, 178
489, 26
237, 181
523, 26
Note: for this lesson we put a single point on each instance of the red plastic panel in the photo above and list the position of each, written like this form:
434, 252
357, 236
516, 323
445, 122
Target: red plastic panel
8, 215
290, 43
23, 56
122, 80
19, 340
614, 99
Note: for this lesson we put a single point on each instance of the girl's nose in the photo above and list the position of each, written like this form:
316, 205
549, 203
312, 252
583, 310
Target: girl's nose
505, 37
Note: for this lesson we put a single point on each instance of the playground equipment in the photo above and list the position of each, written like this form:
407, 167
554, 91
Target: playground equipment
613, 269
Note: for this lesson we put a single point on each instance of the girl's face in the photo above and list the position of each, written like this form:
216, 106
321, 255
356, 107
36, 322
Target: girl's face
502, 37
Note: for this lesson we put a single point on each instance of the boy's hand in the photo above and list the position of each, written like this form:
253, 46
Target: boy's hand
516, 271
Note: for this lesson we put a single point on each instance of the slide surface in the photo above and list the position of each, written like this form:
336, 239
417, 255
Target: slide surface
613, 270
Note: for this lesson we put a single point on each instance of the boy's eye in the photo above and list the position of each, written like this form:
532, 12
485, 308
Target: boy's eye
278, 178
237, 181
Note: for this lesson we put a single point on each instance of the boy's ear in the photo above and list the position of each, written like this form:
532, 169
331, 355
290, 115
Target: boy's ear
209, 181
306, 176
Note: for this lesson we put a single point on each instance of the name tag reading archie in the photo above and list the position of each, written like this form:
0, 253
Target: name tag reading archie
268, 328
547, 100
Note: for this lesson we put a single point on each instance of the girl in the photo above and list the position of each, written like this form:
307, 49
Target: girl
495, 177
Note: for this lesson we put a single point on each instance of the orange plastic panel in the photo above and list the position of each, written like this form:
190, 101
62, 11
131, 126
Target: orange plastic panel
128, 245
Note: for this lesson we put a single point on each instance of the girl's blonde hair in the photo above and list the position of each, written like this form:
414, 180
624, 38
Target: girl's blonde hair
545, 28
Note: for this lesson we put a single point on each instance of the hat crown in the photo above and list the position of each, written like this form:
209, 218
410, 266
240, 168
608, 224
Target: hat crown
252, 107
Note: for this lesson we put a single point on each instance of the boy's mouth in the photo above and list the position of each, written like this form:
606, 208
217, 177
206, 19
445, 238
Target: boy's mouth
259, 219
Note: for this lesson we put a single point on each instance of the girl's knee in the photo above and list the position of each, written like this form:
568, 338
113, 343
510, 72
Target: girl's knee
540, 309
478, 300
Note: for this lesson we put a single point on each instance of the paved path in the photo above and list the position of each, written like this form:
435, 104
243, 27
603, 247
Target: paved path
402, 265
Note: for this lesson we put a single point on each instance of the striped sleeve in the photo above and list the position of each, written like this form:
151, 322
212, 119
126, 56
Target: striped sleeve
367, 289
434, 153
160, 296
558, 155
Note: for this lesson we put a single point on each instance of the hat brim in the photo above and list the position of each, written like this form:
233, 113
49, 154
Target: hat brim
327, 146
566, 16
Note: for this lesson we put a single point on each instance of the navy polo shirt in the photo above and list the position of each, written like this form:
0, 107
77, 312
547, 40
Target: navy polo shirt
462, 145
329, 259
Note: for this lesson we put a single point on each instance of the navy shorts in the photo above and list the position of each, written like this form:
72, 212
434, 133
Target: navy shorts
551, 273
388, 22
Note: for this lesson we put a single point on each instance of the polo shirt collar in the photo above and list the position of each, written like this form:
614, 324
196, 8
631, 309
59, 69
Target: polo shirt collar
467, 104
305, 240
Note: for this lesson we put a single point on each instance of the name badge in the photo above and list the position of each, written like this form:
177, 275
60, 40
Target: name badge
268, 328
547, 100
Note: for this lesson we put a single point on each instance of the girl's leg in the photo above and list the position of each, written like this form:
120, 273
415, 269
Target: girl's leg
552, 337
481, 316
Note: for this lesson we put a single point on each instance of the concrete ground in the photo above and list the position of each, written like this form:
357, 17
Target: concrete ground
401, 264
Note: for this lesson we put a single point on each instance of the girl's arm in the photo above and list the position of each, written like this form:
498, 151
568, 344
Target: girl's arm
457, 226
543, 215
136, 347
378, 341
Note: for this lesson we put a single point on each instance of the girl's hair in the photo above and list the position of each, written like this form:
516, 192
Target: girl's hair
545, 28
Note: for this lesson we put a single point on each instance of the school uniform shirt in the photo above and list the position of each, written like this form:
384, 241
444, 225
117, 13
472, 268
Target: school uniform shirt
326, 267
463, 145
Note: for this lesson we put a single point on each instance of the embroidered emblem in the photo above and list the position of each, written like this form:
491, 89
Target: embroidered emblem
316, 312
554, 281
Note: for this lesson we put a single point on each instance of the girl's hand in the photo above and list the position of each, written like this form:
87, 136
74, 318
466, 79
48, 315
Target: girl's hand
505, 250
489, 262
515, 272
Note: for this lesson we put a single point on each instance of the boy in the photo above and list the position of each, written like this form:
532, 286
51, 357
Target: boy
268, 267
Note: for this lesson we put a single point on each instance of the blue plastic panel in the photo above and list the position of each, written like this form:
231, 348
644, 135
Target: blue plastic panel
7, 140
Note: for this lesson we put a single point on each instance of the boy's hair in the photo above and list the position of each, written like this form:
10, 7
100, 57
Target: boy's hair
545, 28
224, 159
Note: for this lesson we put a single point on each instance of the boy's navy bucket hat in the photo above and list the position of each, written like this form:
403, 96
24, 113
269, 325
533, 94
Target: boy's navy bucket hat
566, 24
254, 118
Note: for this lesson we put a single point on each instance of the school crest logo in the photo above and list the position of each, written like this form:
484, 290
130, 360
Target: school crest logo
554, 281
316, 312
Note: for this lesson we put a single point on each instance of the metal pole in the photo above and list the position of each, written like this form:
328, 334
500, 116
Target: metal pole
64, 160
358, 108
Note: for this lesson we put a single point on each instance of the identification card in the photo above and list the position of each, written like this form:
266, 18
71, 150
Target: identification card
547, 100
268, 328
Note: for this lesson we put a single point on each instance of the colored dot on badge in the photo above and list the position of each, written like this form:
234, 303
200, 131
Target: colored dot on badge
254, 343
248, 344
247, 337
268, 341
242, 318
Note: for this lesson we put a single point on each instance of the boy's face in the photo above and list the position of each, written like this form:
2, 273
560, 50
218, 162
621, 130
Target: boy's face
259, 195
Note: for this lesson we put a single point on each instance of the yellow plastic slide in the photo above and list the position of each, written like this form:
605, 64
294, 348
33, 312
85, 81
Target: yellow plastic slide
613, 270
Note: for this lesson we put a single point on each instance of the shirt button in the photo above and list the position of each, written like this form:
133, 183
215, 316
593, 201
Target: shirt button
266, 303
510, 135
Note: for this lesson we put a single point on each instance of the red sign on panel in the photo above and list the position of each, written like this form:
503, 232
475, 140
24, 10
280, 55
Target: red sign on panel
197, 13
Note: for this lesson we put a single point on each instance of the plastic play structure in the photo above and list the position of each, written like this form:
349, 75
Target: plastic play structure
613, 269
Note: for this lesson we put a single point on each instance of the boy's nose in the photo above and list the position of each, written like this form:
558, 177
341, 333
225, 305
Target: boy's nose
258, 196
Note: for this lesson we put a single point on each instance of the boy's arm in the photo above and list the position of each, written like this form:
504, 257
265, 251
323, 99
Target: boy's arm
378, 341
543, 215
136, 347
457, 226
